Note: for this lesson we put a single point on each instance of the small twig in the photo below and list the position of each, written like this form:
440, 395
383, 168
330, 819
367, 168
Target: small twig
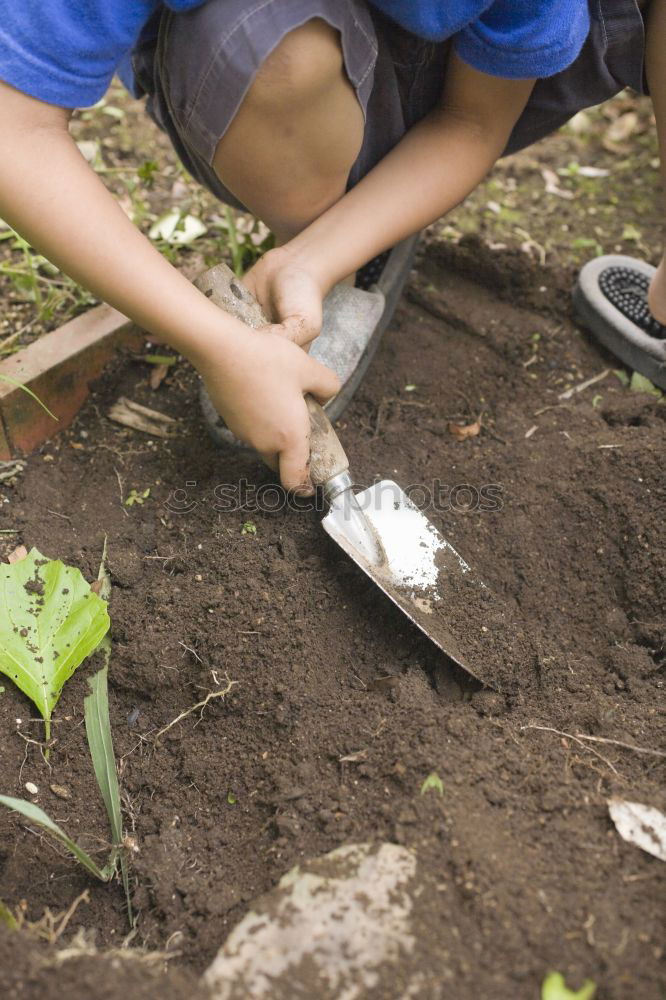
56, 513
576, 739
200, 704
69, 913
188, 648
619, 743
544, 409
584, 385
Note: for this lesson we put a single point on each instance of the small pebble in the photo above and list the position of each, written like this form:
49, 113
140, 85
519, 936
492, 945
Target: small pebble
133, 717
31, 788
198, 577
61, 791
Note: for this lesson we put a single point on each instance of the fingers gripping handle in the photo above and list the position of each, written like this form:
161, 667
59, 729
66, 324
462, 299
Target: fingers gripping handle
222, 287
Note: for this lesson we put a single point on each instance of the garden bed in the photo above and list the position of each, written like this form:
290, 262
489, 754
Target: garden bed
340, 708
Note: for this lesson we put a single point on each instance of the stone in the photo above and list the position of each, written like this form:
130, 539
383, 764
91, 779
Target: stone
333, 928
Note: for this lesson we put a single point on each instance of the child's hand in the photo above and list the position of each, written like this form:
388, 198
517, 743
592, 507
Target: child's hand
259, 393
289, 295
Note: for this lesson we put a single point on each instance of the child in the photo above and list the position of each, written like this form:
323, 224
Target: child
345, 125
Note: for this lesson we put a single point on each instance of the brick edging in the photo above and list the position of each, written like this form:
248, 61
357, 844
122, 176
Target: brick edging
58, 368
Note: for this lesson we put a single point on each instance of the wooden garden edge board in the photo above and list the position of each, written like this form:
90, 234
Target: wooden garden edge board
58, 367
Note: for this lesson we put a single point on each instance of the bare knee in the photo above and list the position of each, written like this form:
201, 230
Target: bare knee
304, 64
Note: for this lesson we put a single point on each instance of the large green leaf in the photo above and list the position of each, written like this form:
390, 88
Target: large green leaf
50, 620
37, 815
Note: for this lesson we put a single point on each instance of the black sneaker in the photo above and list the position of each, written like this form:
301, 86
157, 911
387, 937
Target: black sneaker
610, 299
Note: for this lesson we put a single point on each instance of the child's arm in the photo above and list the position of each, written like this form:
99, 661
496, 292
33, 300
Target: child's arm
433, 168
655, 65
49, 194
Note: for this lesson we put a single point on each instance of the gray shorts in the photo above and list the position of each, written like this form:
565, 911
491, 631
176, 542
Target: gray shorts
199, 66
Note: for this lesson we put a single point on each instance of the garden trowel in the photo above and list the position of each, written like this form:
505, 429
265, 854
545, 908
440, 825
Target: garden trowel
380, 528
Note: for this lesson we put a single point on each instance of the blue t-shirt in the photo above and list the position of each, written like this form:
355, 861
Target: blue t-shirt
515, 39
65, 52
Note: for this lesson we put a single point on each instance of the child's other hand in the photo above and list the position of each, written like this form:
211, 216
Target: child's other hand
289, 295
259, 393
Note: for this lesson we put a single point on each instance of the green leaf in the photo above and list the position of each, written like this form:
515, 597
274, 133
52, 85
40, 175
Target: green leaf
136, 497
639, 383
50, 620
433, 782
100, 743
630, 232
249, 528
158, 359
7, 917
555, 988
98, 731
37, 815
621, 375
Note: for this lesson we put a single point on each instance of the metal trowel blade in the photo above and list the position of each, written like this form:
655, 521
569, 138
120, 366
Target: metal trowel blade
419, 570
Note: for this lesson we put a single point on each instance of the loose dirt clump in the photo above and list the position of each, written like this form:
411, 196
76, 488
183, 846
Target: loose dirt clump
341, 708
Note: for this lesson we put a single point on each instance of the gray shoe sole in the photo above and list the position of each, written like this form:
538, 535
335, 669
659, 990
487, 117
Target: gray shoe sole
353, 325
615, 331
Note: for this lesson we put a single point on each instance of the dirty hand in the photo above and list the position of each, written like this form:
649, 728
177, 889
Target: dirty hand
259, 394
289, 295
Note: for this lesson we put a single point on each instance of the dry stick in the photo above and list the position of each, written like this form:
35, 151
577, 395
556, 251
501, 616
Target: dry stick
619, 743
199, 704
570, 736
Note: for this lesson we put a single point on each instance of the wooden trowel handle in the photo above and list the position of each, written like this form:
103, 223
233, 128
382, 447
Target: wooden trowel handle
222, 287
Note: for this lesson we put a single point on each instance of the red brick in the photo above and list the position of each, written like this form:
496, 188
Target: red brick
58, 368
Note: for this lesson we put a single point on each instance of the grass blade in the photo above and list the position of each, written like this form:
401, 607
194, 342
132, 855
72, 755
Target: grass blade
7, 917
98, 731
37, 815
20, 385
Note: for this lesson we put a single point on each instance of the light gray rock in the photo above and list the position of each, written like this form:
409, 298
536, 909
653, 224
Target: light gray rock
332, 929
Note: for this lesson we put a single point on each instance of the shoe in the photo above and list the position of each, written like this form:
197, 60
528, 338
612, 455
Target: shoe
353, 323
610, 300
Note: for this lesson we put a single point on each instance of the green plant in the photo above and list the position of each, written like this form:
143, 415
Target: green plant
136, 497
554, 987
37, 280
50, 621
249, 528
432, 783
247, 239
100, 743
7, 917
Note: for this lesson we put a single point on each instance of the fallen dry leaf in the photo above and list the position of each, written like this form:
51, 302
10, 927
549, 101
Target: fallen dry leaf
551, 181
463, 431
19, 553
622, 127
141, 418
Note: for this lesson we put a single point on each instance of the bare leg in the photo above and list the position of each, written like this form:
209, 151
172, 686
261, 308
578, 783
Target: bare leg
289, 150
656, 74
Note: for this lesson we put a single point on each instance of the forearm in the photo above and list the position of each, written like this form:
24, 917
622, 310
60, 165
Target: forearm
435, 166
50, 195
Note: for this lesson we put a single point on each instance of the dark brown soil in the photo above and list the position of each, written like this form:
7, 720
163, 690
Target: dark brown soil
341, 708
